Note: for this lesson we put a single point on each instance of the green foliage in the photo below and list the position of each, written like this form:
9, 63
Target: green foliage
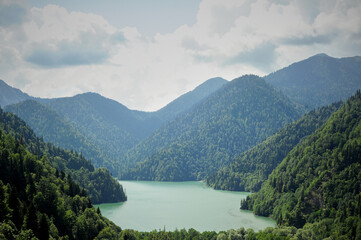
107, 123
56, 129
317, 185
98, 183
192, 234
241, 114
248, 171
319, 80
38, 203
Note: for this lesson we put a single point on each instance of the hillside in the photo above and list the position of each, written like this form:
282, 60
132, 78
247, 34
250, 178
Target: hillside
319, 80
99, 184
102, 129
38, 201
235, 118
248, 171
319, 181
55, 129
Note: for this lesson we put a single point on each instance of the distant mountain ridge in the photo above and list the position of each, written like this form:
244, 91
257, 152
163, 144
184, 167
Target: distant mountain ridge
10, 95
316, 81
189, 99
319, 80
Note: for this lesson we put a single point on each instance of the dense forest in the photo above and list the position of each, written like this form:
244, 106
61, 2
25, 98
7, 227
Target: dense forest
235, 118
283, 233
248, 171
318, 185
99, 184
319, 80
38, 201
103, 122
52, 127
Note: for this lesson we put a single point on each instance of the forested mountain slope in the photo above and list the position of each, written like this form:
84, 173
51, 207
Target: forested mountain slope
238, 116
102, 129
99, 184
319, 80
55, 129
248, 171
38, 201
101, 119
319, 181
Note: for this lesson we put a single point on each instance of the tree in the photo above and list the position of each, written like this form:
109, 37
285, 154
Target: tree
15, 205
31, 219
44, 228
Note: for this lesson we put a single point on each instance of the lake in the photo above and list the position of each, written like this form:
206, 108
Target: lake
178, 205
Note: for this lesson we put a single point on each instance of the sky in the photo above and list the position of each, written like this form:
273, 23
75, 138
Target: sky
145, 54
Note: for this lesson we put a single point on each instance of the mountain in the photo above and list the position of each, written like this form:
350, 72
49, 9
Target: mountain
38, 202
114, 127
189, 99
233, 119
251, 169
110, 125
10, 95
318, 182
101, 128
319, 80
54, 128
137, 123
99, 184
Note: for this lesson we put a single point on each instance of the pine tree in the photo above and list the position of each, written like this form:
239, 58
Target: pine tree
44, 228
4, 208
15, 205
31, 219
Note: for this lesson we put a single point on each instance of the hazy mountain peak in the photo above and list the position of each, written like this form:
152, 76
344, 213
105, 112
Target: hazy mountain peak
319, 80
190, 99
212, 81
89, 94
10, 95
321, 55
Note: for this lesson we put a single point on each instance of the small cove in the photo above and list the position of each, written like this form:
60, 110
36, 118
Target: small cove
178, 205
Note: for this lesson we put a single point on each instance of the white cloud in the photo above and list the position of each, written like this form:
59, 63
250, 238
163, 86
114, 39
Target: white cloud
52, 52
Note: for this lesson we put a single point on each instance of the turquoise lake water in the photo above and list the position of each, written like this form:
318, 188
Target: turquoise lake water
178, 205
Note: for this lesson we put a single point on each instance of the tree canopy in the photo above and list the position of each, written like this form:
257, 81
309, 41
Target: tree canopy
98, 183
317, 186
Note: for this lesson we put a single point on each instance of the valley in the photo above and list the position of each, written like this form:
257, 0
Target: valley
287, 145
